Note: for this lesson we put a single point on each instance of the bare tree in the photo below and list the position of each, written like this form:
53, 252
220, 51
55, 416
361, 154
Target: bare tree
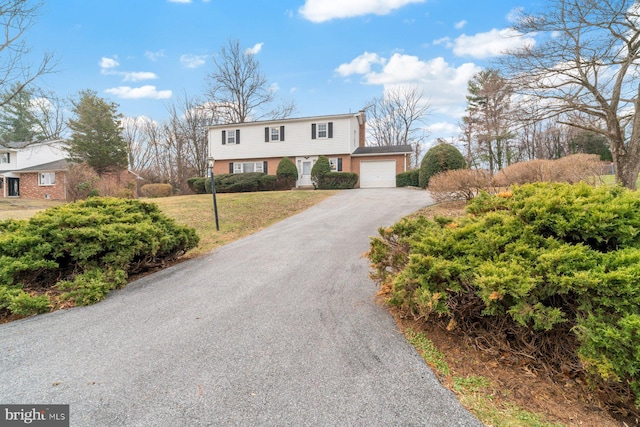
239, 90
16, 16
398, 118
489, 117
49, 114
587, 64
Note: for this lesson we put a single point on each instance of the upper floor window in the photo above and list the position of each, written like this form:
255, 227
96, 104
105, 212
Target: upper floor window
322, 130
47, 178
273, 134
231, 136
5, 158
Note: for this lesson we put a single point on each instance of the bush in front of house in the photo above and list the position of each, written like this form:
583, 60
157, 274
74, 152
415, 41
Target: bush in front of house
548, 273
338, 181
156, 190
408, 178
242, 182
442, 157
197, 185
287, 174
459, 184
321, 167
80, 251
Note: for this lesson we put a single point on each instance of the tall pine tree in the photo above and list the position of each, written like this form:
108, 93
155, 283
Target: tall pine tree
96, 134
18, 121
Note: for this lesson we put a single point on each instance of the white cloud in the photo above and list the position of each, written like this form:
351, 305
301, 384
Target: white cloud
461, 24
179, 1
255, 49
154, 56
137, 76
490, 44
445, 41
360, 65
443, 129
444, 85
515, 14
326, 10
193, 61
106, 63
146, 91
274, 87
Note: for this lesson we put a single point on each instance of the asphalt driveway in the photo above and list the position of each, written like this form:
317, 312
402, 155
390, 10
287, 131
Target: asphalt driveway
277, 329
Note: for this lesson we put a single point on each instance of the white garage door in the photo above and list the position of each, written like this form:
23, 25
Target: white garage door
379, 173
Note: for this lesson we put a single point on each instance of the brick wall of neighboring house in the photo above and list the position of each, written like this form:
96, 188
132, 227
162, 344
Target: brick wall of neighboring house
29, 188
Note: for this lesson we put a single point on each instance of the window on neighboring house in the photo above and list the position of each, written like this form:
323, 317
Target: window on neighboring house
47, 178
5, 158
246, 167
275, 134
231, 136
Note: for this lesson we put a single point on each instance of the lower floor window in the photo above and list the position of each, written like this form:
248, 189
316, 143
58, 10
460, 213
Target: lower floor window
47, 178
247, 167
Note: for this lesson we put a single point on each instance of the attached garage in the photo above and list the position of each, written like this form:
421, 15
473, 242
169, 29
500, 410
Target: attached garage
378, 166
377, 173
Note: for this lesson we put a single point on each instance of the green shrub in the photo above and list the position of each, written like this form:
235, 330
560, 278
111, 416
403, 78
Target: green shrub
338, 181
287, 169
236, 182
442, 157
287, 174
321, 167
550, 271
197, 185
408, 178
91, 246
156, 190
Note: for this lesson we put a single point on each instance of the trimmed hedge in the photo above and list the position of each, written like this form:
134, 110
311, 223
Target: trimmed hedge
338, 181
549, 271
408, 178
156, 190
197, 185
242, 182
81, 251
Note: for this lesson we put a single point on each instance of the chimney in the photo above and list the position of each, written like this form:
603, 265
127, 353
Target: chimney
362, 119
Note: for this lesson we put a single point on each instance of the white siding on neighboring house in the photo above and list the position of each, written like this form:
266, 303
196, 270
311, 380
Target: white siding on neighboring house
298, 140
36, 154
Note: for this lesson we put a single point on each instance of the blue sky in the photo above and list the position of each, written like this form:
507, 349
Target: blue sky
329, 56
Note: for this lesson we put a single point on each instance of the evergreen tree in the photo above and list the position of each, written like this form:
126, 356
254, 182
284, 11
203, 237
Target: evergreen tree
96, 134
18, 121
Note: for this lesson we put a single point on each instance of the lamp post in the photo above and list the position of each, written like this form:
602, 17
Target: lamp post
211, 162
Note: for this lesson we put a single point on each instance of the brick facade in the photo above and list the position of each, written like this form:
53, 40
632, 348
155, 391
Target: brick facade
30, 189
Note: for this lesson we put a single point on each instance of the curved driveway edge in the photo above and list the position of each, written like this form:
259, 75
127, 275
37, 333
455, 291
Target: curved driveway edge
277, 329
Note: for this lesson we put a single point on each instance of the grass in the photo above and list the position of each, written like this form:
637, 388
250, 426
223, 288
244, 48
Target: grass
475, 392
239, 214
23, 208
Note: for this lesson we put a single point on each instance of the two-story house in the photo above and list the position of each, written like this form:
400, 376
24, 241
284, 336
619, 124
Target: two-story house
33, 171
259, 147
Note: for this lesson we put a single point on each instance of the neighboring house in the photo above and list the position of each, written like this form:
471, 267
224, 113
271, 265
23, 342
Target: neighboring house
33, 171
39, 171
259, 147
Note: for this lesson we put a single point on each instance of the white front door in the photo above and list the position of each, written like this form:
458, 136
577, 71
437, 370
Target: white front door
304, 165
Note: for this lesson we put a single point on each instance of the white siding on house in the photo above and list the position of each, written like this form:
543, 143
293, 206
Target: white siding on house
297, 142
36, 154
